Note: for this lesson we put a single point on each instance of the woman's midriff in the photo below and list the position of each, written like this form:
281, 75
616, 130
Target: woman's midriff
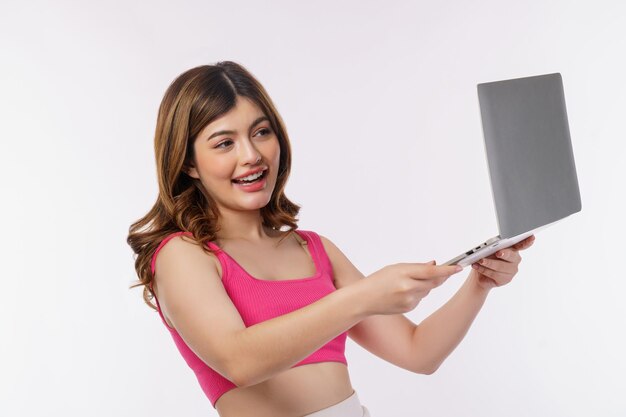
296, 392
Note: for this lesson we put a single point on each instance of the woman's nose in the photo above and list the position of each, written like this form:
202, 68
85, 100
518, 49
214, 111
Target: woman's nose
249, 154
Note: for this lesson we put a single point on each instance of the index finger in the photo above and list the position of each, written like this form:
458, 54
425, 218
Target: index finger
426, 272
524, 244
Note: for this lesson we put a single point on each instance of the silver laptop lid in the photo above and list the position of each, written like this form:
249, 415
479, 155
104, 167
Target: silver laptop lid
529, 152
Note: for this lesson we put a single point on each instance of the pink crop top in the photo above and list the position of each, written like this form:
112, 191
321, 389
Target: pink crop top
258, 300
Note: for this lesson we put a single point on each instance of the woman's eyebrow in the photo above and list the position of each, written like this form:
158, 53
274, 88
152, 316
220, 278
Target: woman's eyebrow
230, 132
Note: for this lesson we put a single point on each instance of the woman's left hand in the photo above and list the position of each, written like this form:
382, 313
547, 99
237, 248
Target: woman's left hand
500, 268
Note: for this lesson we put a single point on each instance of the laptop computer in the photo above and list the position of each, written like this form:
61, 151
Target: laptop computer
529, 154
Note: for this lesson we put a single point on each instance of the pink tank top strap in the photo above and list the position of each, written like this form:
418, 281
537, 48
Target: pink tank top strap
316, 247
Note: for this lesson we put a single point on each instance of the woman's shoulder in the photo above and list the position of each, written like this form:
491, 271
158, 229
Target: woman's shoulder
173, 235
179, 244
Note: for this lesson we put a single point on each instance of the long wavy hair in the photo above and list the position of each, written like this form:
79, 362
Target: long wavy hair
192, 101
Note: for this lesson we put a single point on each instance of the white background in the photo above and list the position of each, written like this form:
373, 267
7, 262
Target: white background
380, 103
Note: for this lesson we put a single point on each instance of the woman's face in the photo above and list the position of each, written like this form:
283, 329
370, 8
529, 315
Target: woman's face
249, 145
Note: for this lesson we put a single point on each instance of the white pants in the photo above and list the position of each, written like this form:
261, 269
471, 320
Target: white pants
350, 407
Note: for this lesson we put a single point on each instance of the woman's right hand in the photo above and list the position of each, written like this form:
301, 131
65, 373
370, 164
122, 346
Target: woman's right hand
399, 288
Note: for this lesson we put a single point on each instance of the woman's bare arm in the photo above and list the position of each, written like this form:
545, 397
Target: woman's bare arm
441, 332
193, 297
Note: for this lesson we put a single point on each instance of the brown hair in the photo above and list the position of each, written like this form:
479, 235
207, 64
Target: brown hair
192, 101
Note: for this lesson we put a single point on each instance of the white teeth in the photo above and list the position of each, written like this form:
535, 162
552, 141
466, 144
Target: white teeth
251, 177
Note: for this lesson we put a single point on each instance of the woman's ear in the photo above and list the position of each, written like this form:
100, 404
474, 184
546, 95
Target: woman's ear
191, 170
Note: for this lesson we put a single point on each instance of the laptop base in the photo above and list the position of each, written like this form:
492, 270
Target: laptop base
485, 249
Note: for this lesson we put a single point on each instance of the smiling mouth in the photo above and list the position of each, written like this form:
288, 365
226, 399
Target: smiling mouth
263, 175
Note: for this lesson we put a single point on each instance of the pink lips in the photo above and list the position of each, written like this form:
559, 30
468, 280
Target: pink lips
255, 186
253, 171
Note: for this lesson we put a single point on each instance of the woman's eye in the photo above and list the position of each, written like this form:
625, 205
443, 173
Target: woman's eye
264, 131
220, 145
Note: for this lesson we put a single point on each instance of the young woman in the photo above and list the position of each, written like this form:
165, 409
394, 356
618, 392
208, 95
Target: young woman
248, 302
